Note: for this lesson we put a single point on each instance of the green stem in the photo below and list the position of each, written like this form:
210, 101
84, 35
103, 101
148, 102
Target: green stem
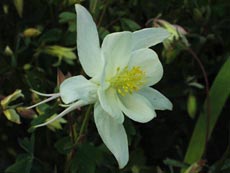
67, 163
103, 13
85, 121
73, 136
76, 142
14, 56
208, 104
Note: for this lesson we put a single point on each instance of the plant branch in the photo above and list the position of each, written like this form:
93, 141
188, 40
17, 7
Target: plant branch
76, 139
207, 104
103, 13
84, 125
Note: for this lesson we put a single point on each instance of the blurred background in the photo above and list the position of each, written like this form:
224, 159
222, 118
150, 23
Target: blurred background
38, 51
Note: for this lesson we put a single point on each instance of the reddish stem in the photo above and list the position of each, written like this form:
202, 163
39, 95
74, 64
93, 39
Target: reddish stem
208, 104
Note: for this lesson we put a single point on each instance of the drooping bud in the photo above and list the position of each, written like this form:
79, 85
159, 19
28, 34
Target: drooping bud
8, 51
31, 32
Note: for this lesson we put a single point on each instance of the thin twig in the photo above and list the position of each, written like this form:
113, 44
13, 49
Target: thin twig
208, 104
72, 135
83, 126
86, 120
71, 127
103, 13
112, 22
77, 139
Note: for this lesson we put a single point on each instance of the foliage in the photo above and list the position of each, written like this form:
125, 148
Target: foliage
38, 37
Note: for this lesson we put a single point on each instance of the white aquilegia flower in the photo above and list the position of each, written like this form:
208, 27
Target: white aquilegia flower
121, 72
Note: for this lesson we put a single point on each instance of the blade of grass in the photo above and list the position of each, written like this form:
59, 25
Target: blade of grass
219, 93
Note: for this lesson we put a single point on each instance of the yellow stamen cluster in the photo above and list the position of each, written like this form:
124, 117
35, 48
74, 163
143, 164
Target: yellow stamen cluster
128, 80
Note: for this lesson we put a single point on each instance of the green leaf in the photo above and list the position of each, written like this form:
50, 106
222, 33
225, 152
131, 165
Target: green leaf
72, 27
12, 116
19, 6
27, 144
86, 159
52, 35
128, 24
175, 163
10, 98
93, 6
35, 79
64, 145
58, 51
219, 93
45, 111
195, 167
57, 124
103, 32
66, 17
23, 164
70, 18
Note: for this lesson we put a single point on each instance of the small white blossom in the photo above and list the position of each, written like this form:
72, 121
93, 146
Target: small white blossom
121, 72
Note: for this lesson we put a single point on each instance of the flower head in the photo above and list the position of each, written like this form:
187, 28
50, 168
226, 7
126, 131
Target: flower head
121, 71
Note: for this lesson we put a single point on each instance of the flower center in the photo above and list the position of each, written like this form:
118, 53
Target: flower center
128, 80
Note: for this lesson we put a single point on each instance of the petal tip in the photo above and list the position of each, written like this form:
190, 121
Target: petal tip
123, 164
78, 6
170, 106
163, 30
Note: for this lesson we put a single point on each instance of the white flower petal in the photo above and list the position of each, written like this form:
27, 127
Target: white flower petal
88, 45
148, 60
148, 37
158, 101
77, 87
111, 104
116, 48
137, 108
113, 135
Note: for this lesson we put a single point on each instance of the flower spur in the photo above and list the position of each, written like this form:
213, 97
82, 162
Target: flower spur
121, 72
